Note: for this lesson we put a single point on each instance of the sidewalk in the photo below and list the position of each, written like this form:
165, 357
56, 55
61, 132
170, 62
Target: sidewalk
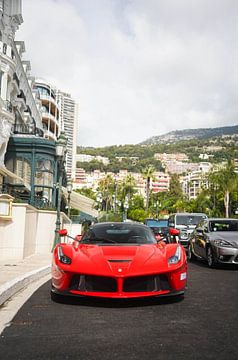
15, 275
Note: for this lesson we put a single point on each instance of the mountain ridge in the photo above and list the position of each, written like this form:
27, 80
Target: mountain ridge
189, 134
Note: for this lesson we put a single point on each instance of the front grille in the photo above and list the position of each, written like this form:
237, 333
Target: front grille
146, 283
93, 283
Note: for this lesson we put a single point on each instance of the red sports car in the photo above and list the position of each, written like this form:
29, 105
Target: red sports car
118, 260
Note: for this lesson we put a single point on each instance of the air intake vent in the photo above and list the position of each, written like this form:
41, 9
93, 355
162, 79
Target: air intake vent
119, 261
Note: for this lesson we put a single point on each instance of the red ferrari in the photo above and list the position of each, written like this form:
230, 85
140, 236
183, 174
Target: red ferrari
118, 260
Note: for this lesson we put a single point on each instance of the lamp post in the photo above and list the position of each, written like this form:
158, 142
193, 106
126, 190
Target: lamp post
61, 144
99, 202
69, 190
125, 208
157, 205
115, 195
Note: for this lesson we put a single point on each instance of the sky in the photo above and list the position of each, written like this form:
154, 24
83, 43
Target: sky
137, 68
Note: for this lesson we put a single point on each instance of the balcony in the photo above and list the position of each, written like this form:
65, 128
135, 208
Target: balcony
24, 129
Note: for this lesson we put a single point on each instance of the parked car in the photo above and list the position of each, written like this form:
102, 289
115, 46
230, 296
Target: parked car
216, 241
118, 260
186, 223
159, 227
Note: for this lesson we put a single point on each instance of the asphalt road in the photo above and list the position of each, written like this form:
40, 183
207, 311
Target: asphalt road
203, 325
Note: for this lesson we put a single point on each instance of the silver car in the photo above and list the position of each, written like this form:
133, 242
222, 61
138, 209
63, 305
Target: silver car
216, 241
185, 223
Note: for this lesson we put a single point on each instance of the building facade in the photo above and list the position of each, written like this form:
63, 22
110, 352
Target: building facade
69, 114
19, 105
49, 109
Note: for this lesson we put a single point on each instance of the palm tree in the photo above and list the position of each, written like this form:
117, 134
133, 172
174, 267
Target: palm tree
148, 175
106, 188
128, 186
226, 180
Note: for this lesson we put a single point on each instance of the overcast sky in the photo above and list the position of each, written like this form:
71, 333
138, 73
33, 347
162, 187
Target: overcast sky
137, 68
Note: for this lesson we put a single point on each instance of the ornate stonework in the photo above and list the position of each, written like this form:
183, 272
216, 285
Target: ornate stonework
5, 132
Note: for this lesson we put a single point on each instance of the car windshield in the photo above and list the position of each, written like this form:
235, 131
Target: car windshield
189, 219
118, 233
157, 223
224, 225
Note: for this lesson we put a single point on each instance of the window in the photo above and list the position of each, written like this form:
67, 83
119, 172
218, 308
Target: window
44, 173
21, 167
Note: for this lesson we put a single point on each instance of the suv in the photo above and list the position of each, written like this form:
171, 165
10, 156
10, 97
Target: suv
185, 223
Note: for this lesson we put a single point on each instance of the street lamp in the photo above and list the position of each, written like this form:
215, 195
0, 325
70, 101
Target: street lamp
157, 205
99, 201
69, 190
60, 147
115, 195
125, 208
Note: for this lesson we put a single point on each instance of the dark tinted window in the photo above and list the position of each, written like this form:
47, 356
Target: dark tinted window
122, 233
224, 225
189, 219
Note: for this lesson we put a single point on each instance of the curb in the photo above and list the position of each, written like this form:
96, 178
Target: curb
12, 287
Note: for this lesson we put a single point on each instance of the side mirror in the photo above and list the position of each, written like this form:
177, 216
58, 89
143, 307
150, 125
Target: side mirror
174, 232
63, 232
78, 238
158, 237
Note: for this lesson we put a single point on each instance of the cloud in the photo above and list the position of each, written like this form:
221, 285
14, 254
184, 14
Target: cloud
138, 68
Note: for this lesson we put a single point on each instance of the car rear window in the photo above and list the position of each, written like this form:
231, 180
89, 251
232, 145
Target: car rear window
159, 223
224, 225
189, 219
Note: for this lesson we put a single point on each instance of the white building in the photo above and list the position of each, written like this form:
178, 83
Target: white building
49, 109
195, 181
19, 106
69, 116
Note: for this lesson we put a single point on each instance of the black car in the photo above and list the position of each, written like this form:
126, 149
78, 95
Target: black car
216, 241
159, 227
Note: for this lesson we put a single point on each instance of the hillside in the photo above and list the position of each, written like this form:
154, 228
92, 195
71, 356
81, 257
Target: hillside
189, 134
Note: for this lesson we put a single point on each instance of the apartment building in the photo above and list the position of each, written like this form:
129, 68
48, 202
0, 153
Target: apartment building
171, 157
49, 109
69, 116
195, 181
161, 182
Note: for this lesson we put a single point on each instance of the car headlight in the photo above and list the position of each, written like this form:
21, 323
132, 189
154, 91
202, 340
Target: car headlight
62, 257
176, 257
222, 243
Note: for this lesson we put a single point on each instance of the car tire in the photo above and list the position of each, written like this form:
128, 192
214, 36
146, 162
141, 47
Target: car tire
191, 257
56, 297
211, 262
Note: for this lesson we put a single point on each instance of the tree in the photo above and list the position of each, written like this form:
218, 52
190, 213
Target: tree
148, 175
226, 181
128, 187
106, 188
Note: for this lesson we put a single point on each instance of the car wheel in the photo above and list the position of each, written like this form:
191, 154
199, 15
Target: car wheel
56, 297
191, 256
211, 262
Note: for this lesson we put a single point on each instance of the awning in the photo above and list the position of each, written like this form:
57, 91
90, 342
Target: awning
81, 203
5, 172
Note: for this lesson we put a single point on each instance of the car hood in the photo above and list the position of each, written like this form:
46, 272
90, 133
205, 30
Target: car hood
121, 260
230, 236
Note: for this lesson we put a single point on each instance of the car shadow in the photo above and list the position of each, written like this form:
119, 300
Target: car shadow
116, 303
202, 263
